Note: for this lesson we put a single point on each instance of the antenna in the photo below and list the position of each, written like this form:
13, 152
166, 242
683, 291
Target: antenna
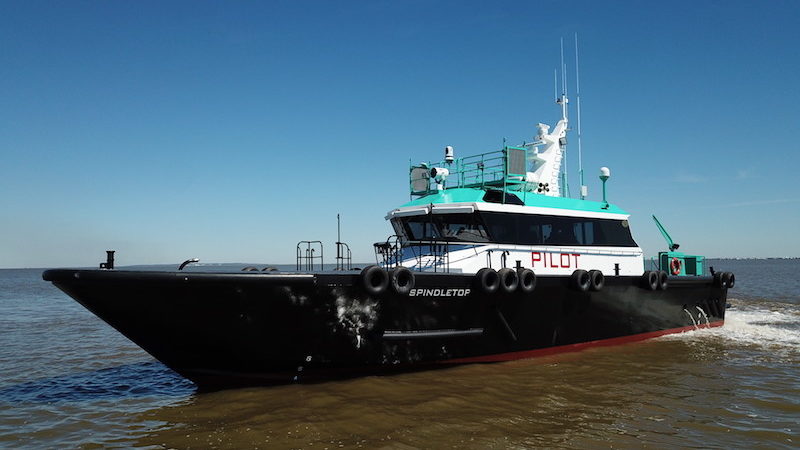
555, 85
563, 100
584, 189
563, 83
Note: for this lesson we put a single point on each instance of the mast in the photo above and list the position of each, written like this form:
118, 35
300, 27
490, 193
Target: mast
563, 100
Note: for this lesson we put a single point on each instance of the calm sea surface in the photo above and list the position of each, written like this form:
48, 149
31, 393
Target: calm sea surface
69, 380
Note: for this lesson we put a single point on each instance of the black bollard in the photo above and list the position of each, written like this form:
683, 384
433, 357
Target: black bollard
109, 264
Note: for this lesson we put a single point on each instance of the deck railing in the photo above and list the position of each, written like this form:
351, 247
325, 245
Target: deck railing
493, 169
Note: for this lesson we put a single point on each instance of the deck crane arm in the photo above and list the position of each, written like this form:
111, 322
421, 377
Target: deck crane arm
672, 245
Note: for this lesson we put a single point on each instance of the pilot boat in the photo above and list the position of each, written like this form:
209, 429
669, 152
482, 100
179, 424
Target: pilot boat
489, 261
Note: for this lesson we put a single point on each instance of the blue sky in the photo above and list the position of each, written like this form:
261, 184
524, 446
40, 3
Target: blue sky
229, 131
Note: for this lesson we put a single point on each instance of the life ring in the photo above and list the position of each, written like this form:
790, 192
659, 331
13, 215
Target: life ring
675, 266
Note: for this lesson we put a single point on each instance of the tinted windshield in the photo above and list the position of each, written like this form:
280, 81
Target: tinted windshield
524, 229
557, 230
450, 227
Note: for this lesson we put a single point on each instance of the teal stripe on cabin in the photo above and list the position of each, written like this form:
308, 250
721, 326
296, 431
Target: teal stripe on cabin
468, 195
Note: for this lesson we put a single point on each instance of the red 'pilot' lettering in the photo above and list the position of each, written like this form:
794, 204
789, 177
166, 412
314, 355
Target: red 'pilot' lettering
563, 260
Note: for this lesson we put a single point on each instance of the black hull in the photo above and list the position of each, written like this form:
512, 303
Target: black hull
221, 330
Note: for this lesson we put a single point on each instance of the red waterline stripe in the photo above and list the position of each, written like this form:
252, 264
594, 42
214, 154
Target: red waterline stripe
577, 347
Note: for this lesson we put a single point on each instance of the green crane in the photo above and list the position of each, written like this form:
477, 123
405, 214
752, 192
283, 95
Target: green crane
672, 245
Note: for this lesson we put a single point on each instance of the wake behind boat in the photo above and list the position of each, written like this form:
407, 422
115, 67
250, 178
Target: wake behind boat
490, 260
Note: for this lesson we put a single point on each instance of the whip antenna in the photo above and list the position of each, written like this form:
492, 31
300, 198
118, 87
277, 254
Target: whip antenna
584, 188
555, 84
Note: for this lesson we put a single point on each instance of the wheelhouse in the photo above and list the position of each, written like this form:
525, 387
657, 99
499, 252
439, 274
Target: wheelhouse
515, 228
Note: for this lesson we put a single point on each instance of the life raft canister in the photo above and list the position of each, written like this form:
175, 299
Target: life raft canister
675, 266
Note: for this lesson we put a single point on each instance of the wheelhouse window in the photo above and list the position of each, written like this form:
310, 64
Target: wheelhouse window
447, 227
522, 229
557, 230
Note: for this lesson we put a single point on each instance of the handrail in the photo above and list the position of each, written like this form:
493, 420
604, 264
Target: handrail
305, 260
344, 257
491, 169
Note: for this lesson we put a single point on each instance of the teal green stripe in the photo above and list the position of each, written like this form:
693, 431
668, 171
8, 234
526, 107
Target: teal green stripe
467, 195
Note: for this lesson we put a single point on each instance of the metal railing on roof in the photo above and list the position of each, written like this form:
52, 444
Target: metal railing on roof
500, 168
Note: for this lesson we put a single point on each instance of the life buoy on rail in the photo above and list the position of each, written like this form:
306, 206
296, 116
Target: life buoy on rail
675, 266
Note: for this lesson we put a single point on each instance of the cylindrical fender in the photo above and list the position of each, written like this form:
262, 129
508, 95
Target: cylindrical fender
650, 280
662, 280
374, 280
402, 280
596, 280
508, 280
527, 281
719, 280
728, 280
580, 280
487, 281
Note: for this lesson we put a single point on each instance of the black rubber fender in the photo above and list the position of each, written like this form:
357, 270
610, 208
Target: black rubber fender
527, 281
401, 279
728, 279
663, 283
509, 281
650, 280
580, 280
719, 280
374, 280
596, 280
487, 280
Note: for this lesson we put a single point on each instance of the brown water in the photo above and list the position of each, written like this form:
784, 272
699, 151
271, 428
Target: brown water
67, 379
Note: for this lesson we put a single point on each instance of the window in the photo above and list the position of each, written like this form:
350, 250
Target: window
421, 227
449, 227
523, 229
461, 227
556, 230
